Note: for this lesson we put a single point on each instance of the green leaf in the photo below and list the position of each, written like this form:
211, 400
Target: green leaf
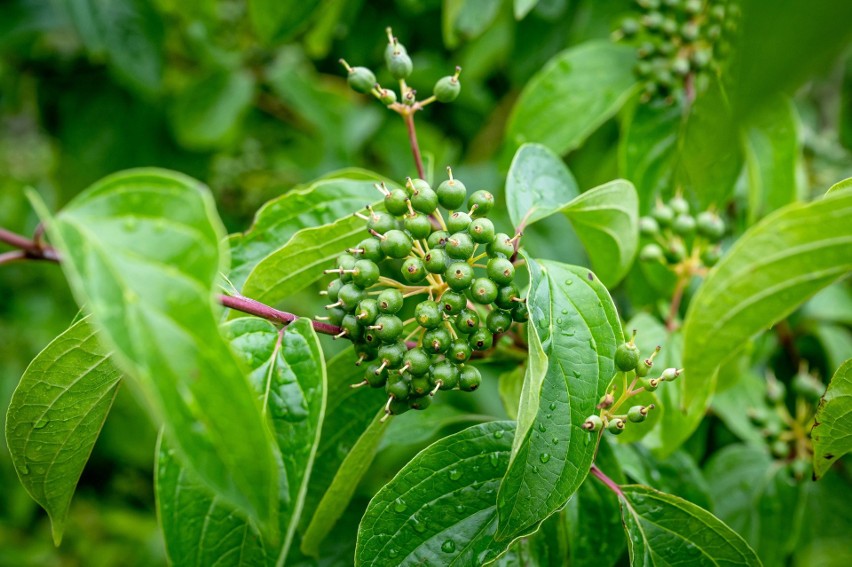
538, 184
771, 270
523, 7
322, 202
288, 376
758, 499
844, 185
278, 20
207, 114
510, 389
578, 90
573, 317
606, 219
648, 149
440, 508
771, 140
734, 406
55, 416
464, 20
665, 530
141, 250
828, 519
832, 431
349, 416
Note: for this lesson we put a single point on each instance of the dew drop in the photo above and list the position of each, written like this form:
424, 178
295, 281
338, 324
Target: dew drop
498, 434
565, 312
399, 506
587, 439
494, 459
559, 320
535, 469
40, 423
459, 509
419, 526
552, 406
541, 427
392, 553
555, 441
448, 546
569, 282
455, 474
544, 457
24, 469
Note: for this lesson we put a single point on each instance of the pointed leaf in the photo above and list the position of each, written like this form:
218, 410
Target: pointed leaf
275, 20
55, 416
538, 184
771, 270
832, 431
578, 90
665, 530
288, 376
440, 509
573, 316
141, 250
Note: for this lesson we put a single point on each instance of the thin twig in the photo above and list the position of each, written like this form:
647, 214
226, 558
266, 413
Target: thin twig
601, 476
415, 147
12, 256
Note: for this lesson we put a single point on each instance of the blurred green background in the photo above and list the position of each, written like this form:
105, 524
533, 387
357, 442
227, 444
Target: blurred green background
253, 103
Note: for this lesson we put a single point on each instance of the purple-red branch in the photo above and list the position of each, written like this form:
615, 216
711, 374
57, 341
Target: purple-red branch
415, 147
611, 484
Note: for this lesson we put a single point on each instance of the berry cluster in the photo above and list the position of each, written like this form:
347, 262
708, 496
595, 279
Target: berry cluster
673, 236
679, 43
463, 303
399, 63
630, 366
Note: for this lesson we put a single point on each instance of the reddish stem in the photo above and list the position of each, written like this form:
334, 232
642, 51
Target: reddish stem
415, 147
611, 484
31, 249
675, 304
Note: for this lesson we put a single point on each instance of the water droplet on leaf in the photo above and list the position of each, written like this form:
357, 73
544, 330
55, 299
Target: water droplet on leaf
399, 506
544, 457
40, 423
455, 474
448, 546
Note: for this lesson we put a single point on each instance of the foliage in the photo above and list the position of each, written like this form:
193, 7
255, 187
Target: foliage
663, 325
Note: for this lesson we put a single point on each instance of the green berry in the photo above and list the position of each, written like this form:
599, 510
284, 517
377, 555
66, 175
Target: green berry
417, 361
381, 222
399, 64
420, 403
467, 321
396, 202
663, 215
520, 312
361, 79
501, 244
365, 273
458, 221
396, 244
370, 339
424, 200
436, 261
676, 251
459, 351
711, 257
388, 328
375, 375
459, 246
481, 339
626, 357
349, 297
629, 27
419, 386
480, 203
392, 354
650, 384
436, 340
345, 263
397, 388
648, 226
710, 226
428, 314
333, 289
593, 423
506, 296
638, 414
469, 378
452, 302
670, 374
367, 311
415, 184
459, 275
483, 291
481, 231
451, 193
390, 300
501, 271
615, 426
387, 96
684, 225
336, 315
438, 239
498, 321
398, 407
445, 373
447, 88
371, 250
413, 270
419, 226
651, 253
351, 327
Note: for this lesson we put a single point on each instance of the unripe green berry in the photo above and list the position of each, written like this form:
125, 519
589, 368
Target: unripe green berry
459, 275
676, 251
498, 321
390, 300
451, 194
481, 339
501, 244
371, 250
447, 89
381, 222
648, 226
500, 271
351, 328
349, 297
663, 215
615, 426
387, 96
428, 314
396, 202
483, 291
367, 311
396, 244
420, 403
638, 414
418, 387
388, 328
452, 302
469, 378
361, 79
626, 357
419, 226
398, 407
415, 184
459, 351
520, 312
438, 239
397, 388
345, 262
710, 226
506, 296
436, 261
481, 231
593, 423
629, 27
375, 375
333, 289
413, 270
467, 321
650, 384
392, 354
458, 221
399, 64
370, 339
670, 374
445, 373
424, 200
417, 361
711, 257
336, 315
459, 246
651, 253
365, 273
436, 340
679, 205
480, 203
684, 225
